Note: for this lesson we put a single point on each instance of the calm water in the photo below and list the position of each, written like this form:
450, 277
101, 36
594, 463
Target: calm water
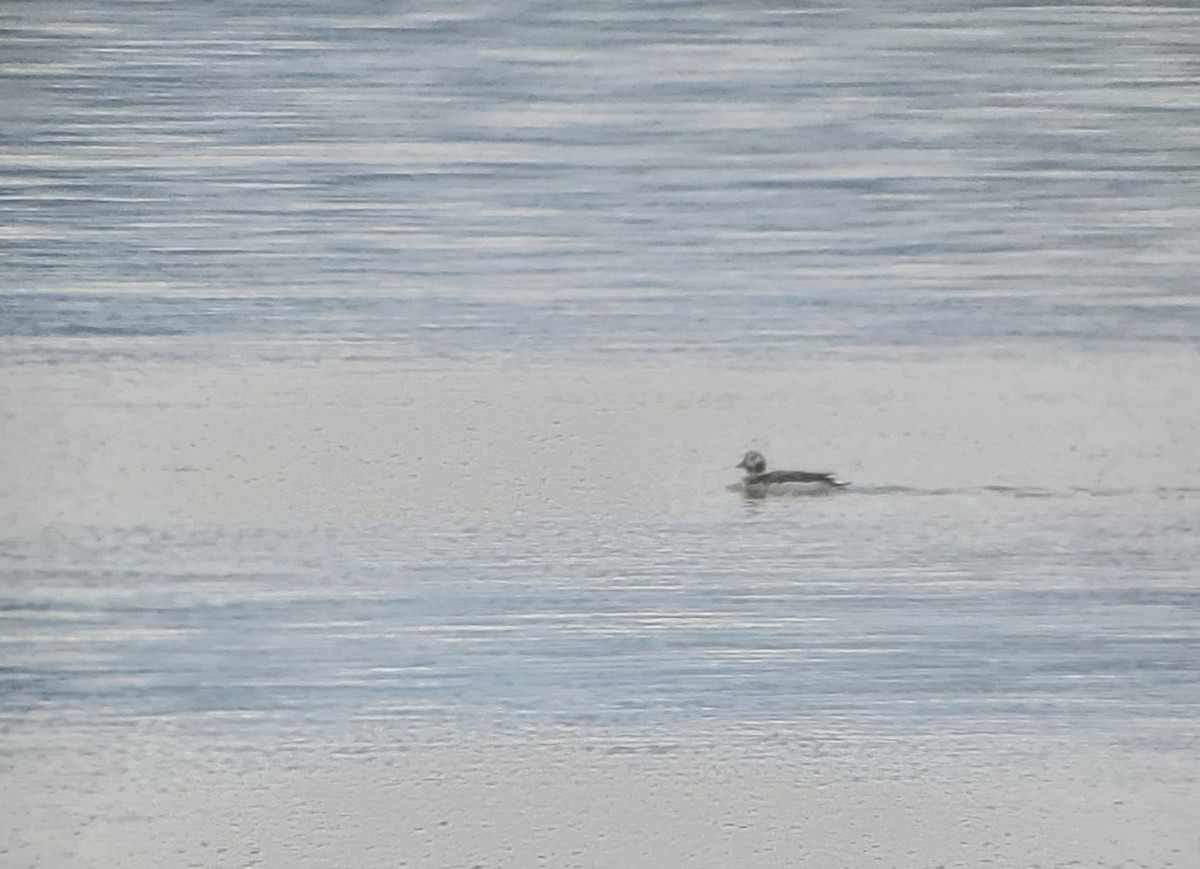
630, 187
462, 179
1022, 624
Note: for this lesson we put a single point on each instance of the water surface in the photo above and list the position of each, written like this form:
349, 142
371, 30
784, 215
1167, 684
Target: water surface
371, 380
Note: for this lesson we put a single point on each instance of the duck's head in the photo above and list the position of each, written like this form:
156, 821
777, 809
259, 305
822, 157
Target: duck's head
752, 463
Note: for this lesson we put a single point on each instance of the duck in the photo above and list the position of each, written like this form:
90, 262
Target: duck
759, 482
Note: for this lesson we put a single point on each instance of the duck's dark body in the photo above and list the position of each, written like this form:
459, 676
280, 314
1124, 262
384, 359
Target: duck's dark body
770, 477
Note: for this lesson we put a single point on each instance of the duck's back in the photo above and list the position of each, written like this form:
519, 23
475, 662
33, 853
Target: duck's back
772, 477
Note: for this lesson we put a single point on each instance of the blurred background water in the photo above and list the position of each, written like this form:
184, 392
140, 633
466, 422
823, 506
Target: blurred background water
519, 177
638, 191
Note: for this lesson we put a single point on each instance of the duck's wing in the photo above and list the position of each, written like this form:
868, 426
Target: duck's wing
794, 477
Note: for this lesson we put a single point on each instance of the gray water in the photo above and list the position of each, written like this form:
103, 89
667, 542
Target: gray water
1055, 619
630, 188
530, 178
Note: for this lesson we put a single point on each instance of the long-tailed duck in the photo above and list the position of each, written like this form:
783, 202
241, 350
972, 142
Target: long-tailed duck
759, 482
